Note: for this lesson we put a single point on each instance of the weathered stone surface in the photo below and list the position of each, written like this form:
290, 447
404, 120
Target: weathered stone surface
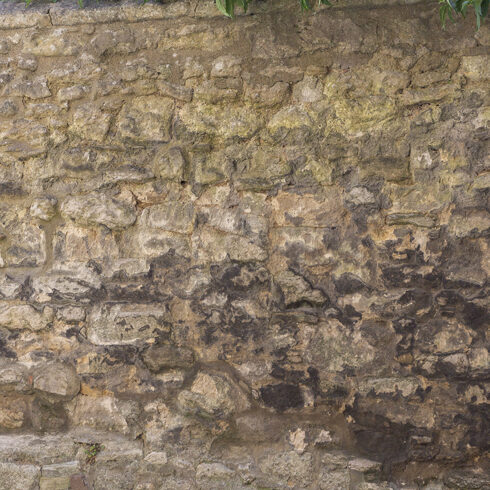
243, 254
100, 412
44, 208
56, 379
20, 317
213, 395
145, 119
90, 123
32, 89
18, 476
100, 208
126, 324
289, 468
166, 356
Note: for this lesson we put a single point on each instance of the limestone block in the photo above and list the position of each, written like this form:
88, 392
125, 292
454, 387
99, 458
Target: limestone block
145, 119
213, 395
170, 216
18, 476
18, 317
32, 89
99, 208
122, 324
56, 380
90, 123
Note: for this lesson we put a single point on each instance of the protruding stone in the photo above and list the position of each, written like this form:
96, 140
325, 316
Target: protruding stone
99, 412
145, 119
56, 380
159, 357
213, 395
226, 66
18, 476
126, 324
100, 208
21, 317
44, 208
32, 89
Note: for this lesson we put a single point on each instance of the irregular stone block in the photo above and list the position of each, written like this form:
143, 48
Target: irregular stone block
232, 122
215, 246
289, 467
58, 476
18, 476
333, 348
74, 92
100, 412
58, 42
121, 324
20, 317
226, 66
90, 123
178, 92
289, 209
159, 357
309, 90
213, 395
32, 89
56, 380
13, 412
476, 67
145, 119
266, 169
36, 449
170, 216
69, 280
214, 475
27, 246
23, 138
263, 96
156, 243
289, 118
100, 208
13, 377
43, 208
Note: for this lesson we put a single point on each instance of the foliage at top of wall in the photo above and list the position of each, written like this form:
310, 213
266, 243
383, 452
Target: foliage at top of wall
447, 8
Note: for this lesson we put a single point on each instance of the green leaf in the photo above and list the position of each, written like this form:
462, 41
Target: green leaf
225, 7
484, 8
443, 9
325, 2
304, 5
243, 4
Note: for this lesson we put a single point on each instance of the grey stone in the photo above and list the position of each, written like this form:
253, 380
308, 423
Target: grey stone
159, 357
56, 380
99, 208
18, 476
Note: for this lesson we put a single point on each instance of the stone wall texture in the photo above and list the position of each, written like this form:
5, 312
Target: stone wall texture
246, 254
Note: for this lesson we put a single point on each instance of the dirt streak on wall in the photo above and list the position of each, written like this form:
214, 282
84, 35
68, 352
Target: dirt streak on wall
243, 254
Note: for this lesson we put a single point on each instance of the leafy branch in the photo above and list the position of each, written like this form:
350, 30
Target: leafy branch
460, 7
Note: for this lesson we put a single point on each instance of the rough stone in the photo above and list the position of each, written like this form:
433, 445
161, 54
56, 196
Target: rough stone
99, 208
243, 254
25, 317
56, 379
145, 119
213, 395
18, 476
126, 324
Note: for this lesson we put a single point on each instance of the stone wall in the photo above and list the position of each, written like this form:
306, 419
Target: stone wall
243, 254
